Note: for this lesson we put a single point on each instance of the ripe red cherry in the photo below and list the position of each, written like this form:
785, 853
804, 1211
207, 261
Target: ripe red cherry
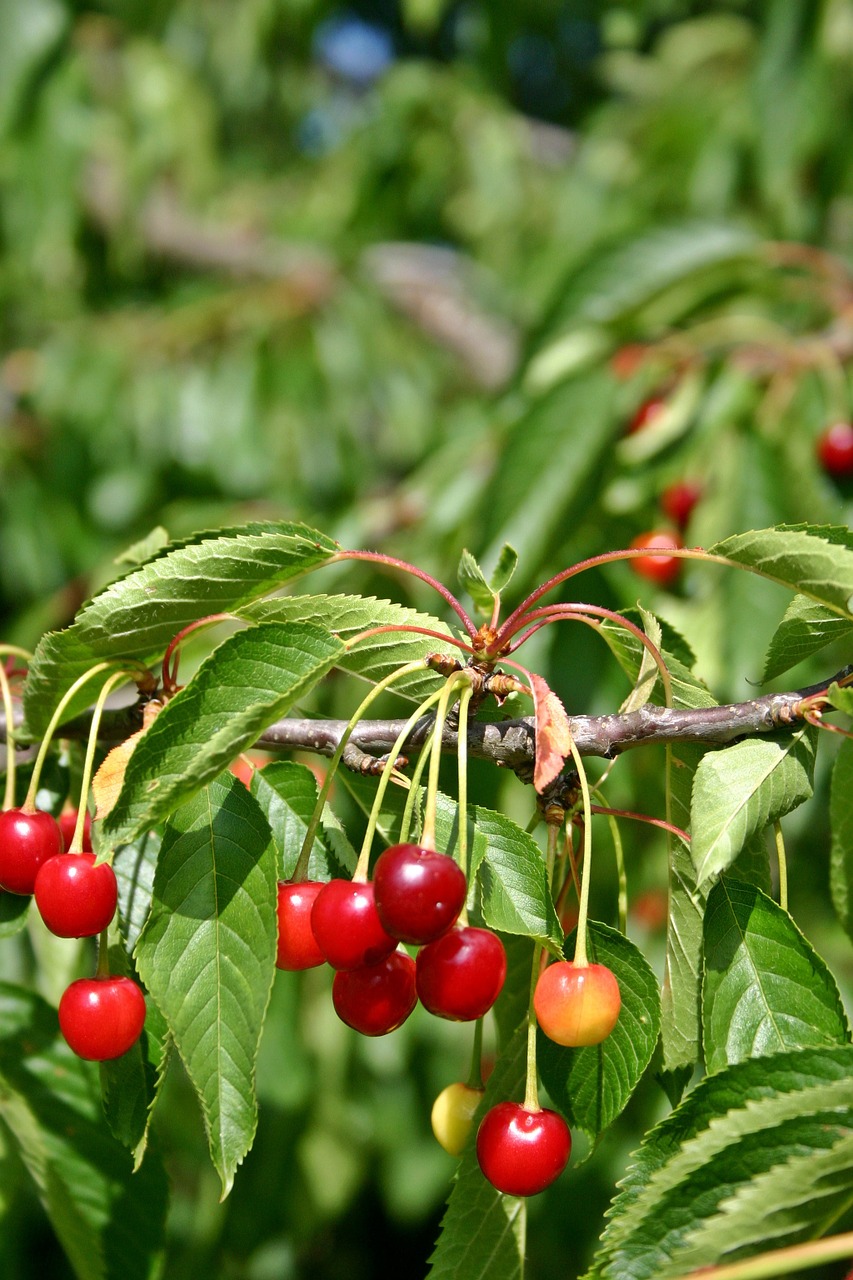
68, 821
661, 569
297, 946
646, 414
75, 898
26, 841
419, 892
377, 998
347, 927
522, 1152
835, 450
460, 975
577, 1005
102, 1018
678, 500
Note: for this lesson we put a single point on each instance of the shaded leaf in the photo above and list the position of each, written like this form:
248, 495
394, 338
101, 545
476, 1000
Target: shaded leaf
841, 819
817, 561
806, 628
287, 795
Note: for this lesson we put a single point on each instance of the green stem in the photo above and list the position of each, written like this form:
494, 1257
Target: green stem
414, 787
531, 1088
580, 958
783, 865
782, 1262
9, 793
475, 1075
452, 683
621, 873
76, 845
300, 871
103, 969
462, 788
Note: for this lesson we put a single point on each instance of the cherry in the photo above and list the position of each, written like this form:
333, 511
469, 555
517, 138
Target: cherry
76, 898
26, 841
377, 998
453, 1115
102, 1018
419, 892
646, 414
577, 1005
522, 1152
347, 927
460, 975
297, 946
678, 500
657, 568
835, 450
68, 821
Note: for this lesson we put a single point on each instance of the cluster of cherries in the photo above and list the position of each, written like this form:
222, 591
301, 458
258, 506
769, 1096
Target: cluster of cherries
416, 897
103, 1016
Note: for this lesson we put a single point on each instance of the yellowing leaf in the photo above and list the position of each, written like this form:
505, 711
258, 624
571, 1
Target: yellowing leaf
553, 733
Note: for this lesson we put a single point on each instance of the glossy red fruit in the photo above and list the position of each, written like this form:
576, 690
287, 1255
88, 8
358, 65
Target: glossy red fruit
662, 569
522, 1152
297, 947
347, 927
377, 998
68, 821
419, 892
835, 450
460, 975
577, 1005
75, 898
678, 501
646, 414
26, 841
102, 1018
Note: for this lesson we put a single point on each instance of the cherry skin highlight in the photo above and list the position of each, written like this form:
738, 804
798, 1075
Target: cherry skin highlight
662, 569
452, 1115
26, 841
75, 898
522, 1152
460, 975
577, 1005
297, 947
101, 1018
347, 927
835, 450
419, 892
377, 998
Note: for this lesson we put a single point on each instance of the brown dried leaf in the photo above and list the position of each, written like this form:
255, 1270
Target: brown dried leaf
107, 782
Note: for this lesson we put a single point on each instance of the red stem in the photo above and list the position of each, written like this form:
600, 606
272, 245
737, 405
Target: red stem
642, 817
170, 678
421, 631
378, 557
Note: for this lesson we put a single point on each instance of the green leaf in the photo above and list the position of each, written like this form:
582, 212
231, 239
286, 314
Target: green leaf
765, 989
502, 574
250, 680
806, 628
13, 913
109, 1221
841, 697
514, 892
207, 955
347, 616
816, 561
134, 866
780, 1124
592, 1086
473, 580
737, 791
137, 616
841, 819
287, 795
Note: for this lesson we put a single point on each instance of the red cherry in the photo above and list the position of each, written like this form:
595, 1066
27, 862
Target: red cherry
648, 411
577, 1005
297, 946
522, 1152
419, 892
68, 821
347, 927
460, 975
377, 998
26, 841
101, 1018
835, 450
657, 568
75, 898
678, 500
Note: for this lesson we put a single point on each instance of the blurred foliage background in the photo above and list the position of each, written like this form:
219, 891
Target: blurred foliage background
407, 270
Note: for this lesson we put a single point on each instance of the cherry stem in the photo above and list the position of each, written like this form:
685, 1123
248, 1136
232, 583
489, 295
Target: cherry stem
783, 864
300, 871
76, 845
580, 957
619, 855
475, 1074
451, 684
9, 793
642, 817
169, 678
29, 805
420, 631
103, 969
531, 1087
378, 557
414, 787
462, 788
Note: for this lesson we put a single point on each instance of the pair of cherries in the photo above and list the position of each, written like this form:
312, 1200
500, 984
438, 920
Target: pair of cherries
415, 897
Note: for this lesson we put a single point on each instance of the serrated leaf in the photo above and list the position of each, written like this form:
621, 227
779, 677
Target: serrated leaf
501, 575
375, 657
287, 794
737, 791
841, 820
137, 616
553, 734
134, 866
648, 674
514, 891
250, 680
687, 689
841, 698
780, 1122
109, 1221
592, 1086
765, 989
816, 561
207, 955
473, 580
806, 628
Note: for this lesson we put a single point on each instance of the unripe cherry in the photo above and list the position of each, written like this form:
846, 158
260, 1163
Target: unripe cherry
453, 1115
577, 1005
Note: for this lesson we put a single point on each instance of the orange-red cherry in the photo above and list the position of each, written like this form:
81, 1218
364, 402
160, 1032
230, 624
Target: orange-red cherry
577, 1005
660, 568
